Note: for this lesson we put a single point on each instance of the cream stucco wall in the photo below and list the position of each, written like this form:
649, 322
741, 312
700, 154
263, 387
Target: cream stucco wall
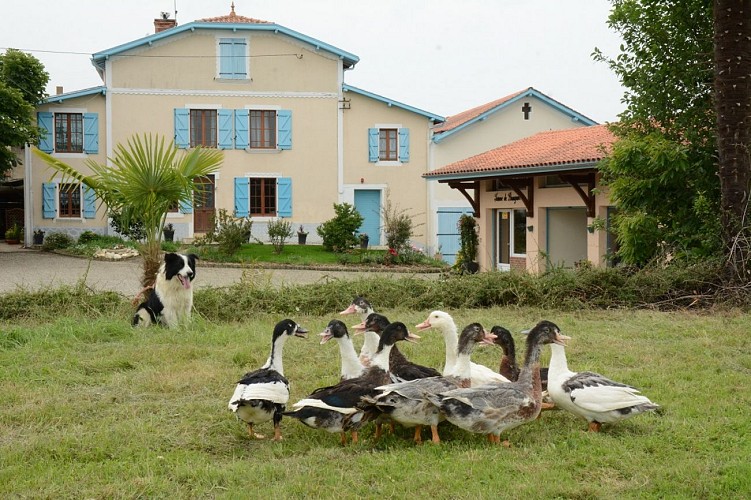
544, 199
403, 182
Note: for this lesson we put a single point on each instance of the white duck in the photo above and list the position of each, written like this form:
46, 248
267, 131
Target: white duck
262, 394
591, 395
407, 402
444, 323
494, 408
362, 307
351, 366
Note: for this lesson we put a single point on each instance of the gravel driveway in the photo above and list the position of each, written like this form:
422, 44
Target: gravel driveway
34, 270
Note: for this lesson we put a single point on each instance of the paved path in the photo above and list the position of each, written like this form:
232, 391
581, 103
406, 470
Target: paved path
34, 270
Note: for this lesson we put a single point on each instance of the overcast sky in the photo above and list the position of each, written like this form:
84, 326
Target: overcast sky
441, 56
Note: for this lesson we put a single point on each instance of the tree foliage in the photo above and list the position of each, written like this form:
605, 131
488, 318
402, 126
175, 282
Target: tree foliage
146, 177
662, 174
22, 83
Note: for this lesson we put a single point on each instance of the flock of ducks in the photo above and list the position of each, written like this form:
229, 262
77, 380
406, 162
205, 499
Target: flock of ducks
381, 385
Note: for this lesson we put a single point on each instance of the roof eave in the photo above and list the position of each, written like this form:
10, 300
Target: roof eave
348, 59
512, 172
72, 95
391, 102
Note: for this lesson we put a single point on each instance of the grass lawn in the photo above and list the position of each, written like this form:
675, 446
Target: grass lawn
95, 409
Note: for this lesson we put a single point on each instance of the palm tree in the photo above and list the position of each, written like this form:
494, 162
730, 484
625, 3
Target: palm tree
144, 179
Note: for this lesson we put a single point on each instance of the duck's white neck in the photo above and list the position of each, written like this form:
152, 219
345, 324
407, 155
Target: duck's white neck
351, 366
558, 362
461, 368
370, 345
275, 358
452, 341
381, 359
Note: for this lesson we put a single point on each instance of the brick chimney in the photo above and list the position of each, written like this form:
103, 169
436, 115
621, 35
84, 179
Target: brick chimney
59, 90
164, 23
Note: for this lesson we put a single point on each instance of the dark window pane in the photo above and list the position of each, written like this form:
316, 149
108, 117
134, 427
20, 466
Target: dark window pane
520, 231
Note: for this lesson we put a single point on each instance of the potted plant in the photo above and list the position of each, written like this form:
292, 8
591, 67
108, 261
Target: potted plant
169, 232
302, 235
13, 234
38, 237
364, 239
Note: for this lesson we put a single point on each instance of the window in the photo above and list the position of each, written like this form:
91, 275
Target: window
233, 58
263, 197
69, 132
203, 128
520, 232
70, 200
387, 145
262, 129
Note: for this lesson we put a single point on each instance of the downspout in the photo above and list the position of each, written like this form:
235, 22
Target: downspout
340, 136
108, 120
28, 198
432, 240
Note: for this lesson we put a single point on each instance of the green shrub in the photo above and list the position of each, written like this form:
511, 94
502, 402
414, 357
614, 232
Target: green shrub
280, 230
338, 233
57, 241
133, 230
469, 241
87, 237
229, 232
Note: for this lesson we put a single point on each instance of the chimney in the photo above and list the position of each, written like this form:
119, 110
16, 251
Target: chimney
164, 23
59, 90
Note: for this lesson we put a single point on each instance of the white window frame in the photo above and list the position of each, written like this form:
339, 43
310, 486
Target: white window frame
81, 111
219, 60
389, 163
57, 218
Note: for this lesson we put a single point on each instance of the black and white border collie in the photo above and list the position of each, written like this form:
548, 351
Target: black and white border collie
171, 301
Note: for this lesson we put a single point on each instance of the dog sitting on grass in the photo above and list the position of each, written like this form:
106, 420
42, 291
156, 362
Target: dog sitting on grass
171, 300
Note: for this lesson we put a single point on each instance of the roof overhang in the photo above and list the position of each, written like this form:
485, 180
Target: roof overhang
72, 95
526, 171
391, 102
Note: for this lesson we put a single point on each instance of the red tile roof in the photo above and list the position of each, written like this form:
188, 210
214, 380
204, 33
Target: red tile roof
461, 118
552, 148
233, 18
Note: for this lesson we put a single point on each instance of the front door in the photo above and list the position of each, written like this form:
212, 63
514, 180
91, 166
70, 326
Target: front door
203, 204
368, 203
503, 248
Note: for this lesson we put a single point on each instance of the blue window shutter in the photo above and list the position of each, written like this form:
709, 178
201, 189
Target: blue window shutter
404, 144
89, 202
232, 59
186, 207
44, 121
225, 58
242, 196
49, 202
242, 138
372, 145
284, 126
239, 61
91, 133
284, 196
182, 122
226, 117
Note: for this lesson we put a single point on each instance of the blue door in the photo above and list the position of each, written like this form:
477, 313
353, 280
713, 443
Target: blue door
368, 203
448, 232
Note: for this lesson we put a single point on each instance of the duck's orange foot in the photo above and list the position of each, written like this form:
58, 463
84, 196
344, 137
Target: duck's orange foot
594, 427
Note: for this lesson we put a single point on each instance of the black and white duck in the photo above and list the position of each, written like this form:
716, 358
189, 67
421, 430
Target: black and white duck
593, 396
494, 408
505, 341
362, 307
407, 402
334, 408
444, 323
261, 395
351, 366
401, 368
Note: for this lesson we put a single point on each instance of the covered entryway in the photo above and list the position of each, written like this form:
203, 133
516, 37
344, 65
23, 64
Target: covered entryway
449, 241
204, 204
567, 236
368, 203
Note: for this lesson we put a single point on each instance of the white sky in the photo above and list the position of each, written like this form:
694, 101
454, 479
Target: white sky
441, 56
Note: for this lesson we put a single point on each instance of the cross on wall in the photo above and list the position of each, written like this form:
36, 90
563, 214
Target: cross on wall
526, 109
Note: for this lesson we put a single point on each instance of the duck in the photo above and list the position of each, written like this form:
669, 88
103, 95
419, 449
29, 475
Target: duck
361, 306
592, 396
400, 367
262, 395
444, 323
334, 408
351, 366
494, 408
407, 402
505, 340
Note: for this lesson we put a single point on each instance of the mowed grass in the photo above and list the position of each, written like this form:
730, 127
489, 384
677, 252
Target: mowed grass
92, 408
